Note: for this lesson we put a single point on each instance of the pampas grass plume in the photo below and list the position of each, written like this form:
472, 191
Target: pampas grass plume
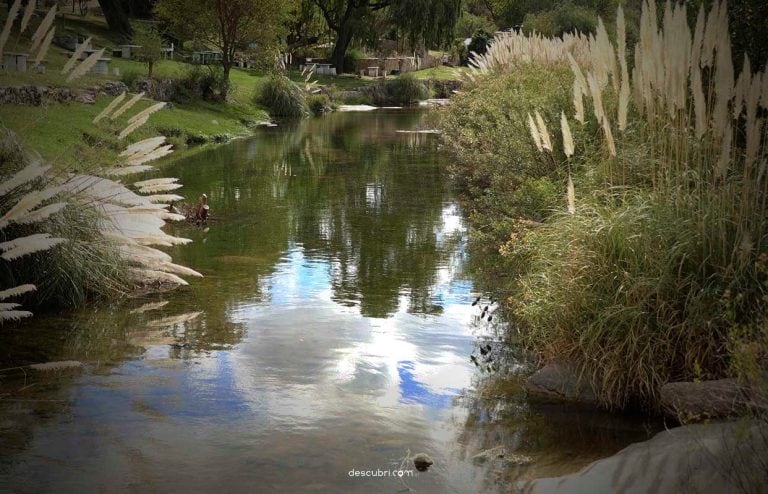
42, 29
75, 57
28, 11
85, 65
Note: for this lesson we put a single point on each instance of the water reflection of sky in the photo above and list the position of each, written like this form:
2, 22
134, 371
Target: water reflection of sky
405, 359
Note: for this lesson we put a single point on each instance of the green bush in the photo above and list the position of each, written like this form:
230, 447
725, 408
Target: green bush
319, 104
206, 83
351, 58
282, 98
566, 18
486, 129
403, 91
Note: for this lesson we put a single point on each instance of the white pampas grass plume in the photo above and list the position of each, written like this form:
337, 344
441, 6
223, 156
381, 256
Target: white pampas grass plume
45, 46
126, 170
134, 99
28, 203
14, 10
8, 306
148, 276
153, 189
132, 127
571, 196
13, 315
41, 214
85, 65
75, 57
155, 181
43, 28
179, 269
16, 291
27, 174
699, 102
28, 11
609, 136
142, 147
164, 198
151, 156
567, 136
535, 133
19, 247
597, 96
578, 102
110, 107
103, 191
546, 140
725, 152
146, 113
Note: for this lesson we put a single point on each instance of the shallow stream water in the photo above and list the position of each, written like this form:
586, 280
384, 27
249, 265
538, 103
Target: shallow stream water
332, 332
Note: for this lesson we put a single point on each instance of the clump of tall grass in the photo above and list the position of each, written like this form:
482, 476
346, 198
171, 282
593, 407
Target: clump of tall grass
645, 282
282, 97
97, 235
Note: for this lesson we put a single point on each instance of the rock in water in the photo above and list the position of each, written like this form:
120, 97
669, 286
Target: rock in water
561, 381
696, 401
422, 462
52, 366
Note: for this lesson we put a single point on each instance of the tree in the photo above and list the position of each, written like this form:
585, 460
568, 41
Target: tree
429, 21
116, 16
118, 13
227, 25
150, 42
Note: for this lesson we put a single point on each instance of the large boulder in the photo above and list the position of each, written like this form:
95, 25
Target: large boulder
561, 381
693, 401
702, 458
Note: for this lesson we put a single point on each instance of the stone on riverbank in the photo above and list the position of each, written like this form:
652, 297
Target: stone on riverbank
693, 401
560, 381
702, 458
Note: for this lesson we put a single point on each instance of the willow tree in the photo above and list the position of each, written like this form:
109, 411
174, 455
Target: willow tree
227, 25
428, 21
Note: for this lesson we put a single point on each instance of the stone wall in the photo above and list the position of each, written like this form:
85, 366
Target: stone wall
37, 95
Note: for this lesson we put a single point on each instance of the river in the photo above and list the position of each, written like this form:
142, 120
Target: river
333, 335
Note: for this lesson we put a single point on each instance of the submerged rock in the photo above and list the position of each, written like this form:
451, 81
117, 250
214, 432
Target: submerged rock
693, 401
561, 381
422, 462
51, 366
701, 458
500, 453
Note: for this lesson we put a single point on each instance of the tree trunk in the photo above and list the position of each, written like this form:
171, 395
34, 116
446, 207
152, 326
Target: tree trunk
117, 18
226, 65
343, 39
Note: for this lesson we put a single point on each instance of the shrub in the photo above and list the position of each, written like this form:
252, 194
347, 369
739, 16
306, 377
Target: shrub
319, 104
131, 78
282, 98
402, 91
469, 24
206, 83
566, 18
351, 59
485, 129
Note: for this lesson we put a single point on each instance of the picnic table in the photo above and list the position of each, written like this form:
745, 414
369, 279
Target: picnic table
15, 62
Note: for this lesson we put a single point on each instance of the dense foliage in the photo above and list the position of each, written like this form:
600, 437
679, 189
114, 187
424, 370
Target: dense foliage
652, 268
